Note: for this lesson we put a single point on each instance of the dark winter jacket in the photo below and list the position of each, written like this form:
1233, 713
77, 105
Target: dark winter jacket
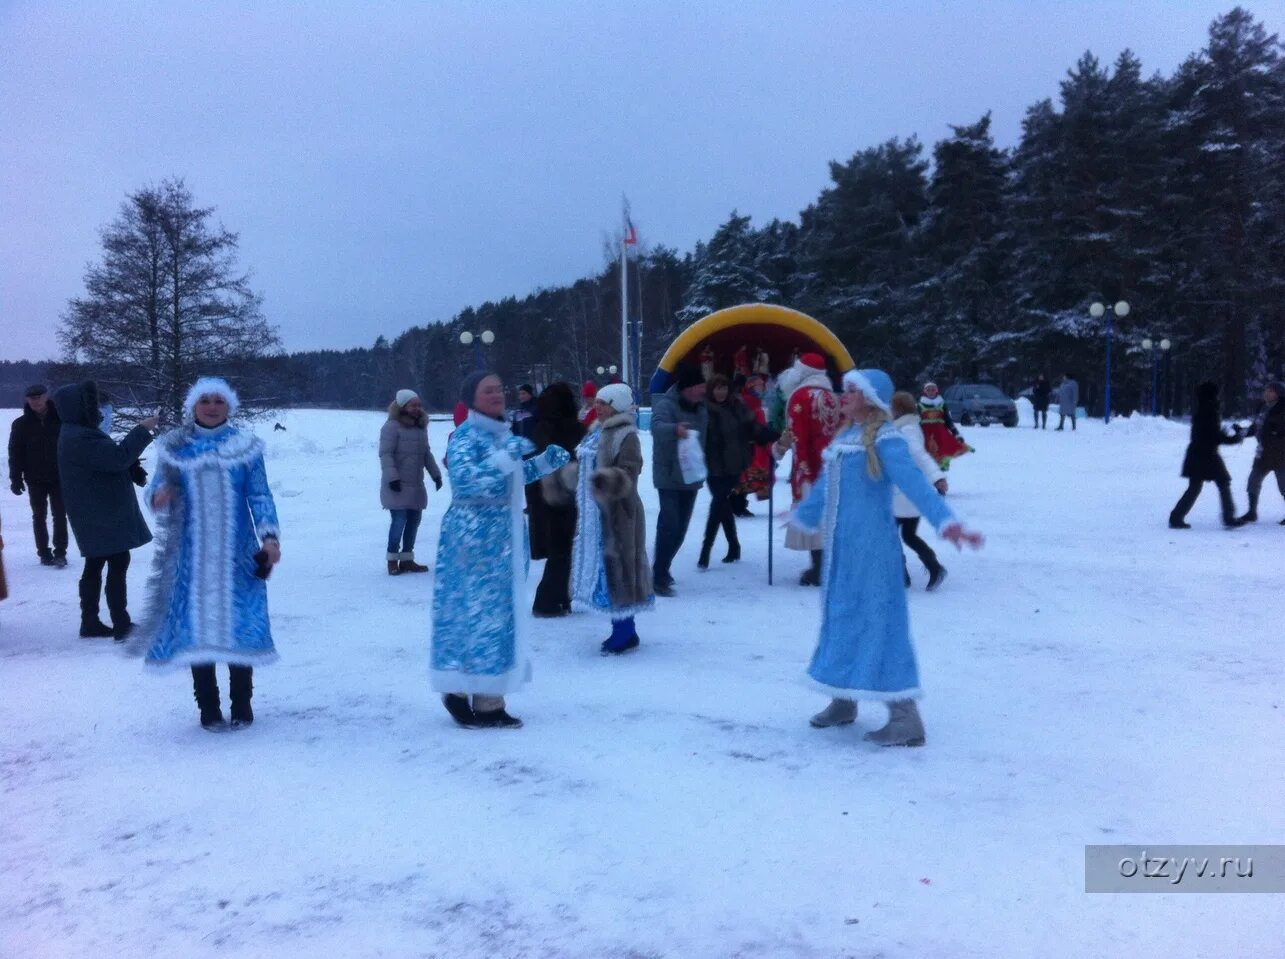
525, 418
33, 446
1269, 427
1040, 393
1202, 461
551, 507
668, 410
729, 438
95, 476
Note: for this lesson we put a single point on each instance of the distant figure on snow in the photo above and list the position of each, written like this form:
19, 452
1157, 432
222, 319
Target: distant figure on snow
1068, 400
33, 469
1203, 464
404, 456
941, 435
1269, 457
1040, 394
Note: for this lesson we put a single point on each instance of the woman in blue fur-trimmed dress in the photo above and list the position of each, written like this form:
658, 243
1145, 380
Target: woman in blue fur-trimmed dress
479, 610
218, 540
610, 572
864, 650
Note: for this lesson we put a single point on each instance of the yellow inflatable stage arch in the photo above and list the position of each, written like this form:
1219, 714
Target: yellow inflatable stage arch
777, 330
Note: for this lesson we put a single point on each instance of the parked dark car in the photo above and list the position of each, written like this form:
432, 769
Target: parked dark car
980, 404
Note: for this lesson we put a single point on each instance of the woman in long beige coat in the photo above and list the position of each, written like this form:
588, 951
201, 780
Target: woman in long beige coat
610, 572
404, 456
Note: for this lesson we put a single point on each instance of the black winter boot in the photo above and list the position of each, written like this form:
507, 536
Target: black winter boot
240, 691
460, 710
812, 575
706, 546
205, 687
95, 629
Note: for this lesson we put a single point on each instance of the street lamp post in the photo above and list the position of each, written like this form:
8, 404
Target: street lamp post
1155, 349
477, 342
1097, 310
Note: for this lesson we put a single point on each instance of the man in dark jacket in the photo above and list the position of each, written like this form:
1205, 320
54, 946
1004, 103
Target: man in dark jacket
527, 415
101, 502
1202, 464
674, 416
33, 467
1040, 393
1269, 457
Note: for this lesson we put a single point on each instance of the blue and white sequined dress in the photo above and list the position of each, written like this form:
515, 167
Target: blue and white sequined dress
206, 603
479, 609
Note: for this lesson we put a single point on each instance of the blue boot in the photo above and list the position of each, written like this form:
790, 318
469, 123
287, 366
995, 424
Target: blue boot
623, 637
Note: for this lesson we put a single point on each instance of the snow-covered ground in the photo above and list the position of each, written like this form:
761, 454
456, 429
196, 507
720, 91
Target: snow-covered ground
1091, 676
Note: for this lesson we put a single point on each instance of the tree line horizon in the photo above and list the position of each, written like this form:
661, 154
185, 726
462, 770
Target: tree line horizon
972, 262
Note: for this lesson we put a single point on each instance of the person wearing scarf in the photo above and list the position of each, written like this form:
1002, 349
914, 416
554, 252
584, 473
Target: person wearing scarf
218, 540
480, 620
864, 650
610, 572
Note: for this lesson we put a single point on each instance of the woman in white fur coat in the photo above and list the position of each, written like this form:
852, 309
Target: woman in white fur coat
905, 411
218, 541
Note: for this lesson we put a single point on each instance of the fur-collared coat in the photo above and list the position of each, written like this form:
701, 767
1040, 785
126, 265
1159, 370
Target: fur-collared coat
610, 572
404, 454
479, 598
207, 604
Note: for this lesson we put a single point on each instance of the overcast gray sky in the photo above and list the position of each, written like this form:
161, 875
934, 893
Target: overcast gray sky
389, 164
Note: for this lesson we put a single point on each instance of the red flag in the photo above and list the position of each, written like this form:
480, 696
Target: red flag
631, 235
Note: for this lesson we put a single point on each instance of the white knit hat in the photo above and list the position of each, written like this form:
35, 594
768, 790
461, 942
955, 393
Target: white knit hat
405, 396
618, 396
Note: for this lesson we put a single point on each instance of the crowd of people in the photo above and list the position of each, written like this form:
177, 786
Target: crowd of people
555, 480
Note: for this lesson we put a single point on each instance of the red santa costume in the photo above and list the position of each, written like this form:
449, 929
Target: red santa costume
941, 438
812, 412
589, 392
758, 477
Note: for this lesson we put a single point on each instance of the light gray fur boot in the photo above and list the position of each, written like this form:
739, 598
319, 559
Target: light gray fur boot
840, 712
904, 728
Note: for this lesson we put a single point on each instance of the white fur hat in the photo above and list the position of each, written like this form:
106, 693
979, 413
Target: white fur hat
210, 386
618, 396
405, 396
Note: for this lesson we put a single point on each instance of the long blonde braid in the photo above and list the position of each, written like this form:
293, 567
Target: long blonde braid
875, 418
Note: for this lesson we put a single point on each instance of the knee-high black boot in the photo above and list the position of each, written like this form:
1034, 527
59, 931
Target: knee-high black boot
240, 689
812, 576
205, 687
707, 544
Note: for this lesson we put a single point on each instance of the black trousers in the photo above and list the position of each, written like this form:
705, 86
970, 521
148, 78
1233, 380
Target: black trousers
909, 527
553, 595
91, 584
1188, 499
1041, 418
1062, 420
676, 507
1255, 485
205, 687
44, 497
722, 511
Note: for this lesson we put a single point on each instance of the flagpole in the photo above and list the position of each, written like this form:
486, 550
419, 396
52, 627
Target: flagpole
625, 295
